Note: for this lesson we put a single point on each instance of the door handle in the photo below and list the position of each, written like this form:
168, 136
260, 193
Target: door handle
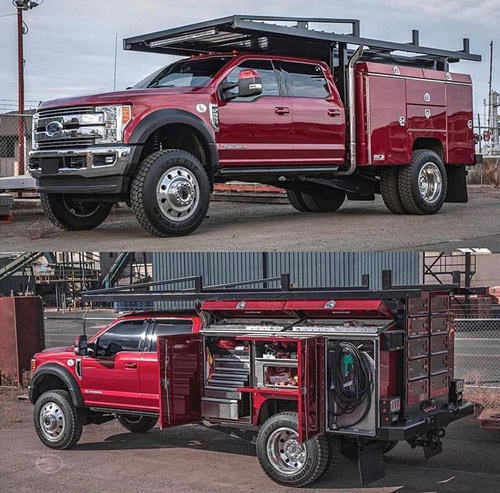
282, 110
130, 365
334, 112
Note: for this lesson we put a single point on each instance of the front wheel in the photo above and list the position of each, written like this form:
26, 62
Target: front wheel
284, 459
56, 422
423, 184
170, 193
71, 214
137, 424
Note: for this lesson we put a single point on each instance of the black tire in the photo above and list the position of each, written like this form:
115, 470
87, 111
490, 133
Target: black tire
323, 199
146, 185
349, 447
317, 452
296, 200
137, 424
70, 214
50, 406
389, 189
408, 183
334, 447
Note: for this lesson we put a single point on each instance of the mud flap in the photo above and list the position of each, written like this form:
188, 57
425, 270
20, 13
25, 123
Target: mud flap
457, 184
371, 461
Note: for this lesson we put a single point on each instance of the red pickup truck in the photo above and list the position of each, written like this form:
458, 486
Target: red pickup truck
255, 101
311, 373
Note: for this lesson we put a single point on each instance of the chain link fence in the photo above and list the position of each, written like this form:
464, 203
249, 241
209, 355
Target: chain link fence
11, 149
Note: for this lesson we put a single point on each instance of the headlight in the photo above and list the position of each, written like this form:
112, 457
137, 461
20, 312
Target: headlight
116, 118
34, 126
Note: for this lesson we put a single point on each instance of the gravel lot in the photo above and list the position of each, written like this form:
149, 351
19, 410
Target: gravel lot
194, 458
250, 226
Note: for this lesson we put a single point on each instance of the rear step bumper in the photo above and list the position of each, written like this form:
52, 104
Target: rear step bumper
424, 423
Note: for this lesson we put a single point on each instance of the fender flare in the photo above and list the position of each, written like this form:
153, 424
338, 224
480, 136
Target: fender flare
63, 374
159, 118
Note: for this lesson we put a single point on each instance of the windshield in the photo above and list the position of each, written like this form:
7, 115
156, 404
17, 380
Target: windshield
185, 73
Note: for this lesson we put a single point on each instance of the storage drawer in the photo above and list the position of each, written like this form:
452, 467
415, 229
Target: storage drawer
282, 373
418, 326
439, 363
417, 306
439, 385
439, 324
418, 347
418, 391
219, 408
418, 368
439, 343
440, 303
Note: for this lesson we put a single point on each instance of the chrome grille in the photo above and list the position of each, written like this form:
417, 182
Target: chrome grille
65, 111
64, 143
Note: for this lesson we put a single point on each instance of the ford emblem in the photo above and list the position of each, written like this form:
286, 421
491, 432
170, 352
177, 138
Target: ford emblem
53, 128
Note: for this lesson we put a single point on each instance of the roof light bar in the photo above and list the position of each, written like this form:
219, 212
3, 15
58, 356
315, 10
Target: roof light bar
185, 37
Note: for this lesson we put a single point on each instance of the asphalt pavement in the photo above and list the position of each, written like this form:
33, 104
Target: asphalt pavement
357, 226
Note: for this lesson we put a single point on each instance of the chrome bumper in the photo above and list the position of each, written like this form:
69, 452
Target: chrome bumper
91, 162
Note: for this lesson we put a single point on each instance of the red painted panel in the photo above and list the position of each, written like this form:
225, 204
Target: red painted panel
439, 385
425, 92
461, 147
311, 388
364, 308
180, 379
388, 374
421, 117
418, 391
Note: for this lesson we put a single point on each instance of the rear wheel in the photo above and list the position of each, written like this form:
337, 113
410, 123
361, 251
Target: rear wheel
423, 184
170, 193
296, 200
389, 189
137, 424
72, 214
56, 421
324, 199
283, 458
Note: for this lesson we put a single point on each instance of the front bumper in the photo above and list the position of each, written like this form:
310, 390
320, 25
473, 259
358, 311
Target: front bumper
425, 422
83, 171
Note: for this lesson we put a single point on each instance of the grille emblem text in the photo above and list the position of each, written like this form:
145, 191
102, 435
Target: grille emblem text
53, 128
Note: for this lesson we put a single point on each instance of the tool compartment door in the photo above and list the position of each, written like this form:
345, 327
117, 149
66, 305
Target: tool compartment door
180, 379
311, 356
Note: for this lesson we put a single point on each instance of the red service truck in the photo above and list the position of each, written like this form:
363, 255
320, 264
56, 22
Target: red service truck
311, 373
324, 115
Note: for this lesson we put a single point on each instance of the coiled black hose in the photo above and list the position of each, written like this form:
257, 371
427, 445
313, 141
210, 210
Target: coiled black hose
352, 390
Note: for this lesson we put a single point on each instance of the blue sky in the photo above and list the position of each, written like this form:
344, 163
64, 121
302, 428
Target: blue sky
69, 49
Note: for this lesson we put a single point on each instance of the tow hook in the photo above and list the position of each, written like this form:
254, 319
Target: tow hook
431, 444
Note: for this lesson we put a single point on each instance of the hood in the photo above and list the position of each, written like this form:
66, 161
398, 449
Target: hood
117, 97
60, 349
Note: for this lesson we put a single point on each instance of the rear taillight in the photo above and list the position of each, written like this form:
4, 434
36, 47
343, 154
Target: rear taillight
389, 410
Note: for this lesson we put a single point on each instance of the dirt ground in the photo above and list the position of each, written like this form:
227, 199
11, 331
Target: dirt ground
359, 226
194, 458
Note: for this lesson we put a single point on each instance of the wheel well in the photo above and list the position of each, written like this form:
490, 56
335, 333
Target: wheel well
48, 382
274, 406
179, 136
429, 143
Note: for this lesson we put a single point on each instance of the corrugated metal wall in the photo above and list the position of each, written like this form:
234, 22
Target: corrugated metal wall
306, 269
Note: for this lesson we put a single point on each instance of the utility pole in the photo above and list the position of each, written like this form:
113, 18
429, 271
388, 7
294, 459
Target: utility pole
490, 92
20, 63
21, 5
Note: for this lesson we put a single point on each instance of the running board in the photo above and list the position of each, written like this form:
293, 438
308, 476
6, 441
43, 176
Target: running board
277, 170
110, 410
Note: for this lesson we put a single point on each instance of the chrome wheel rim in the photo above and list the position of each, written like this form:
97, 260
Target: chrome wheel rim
177, 194
80, 209
430, 182
284, 451
52, 421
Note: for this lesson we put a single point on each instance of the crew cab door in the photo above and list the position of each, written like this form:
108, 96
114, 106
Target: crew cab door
256, 131
180, 379
148, 371
317, 112
110, 378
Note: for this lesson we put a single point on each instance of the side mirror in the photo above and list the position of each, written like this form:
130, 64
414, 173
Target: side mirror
249, 83
81, 345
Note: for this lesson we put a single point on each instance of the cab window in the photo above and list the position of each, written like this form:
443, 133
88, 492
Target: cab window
170, 327
125, 336
270, 86
305, 80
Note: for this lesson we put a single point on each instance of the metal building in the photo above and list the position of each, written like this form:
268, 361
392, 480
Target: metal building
306, 269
